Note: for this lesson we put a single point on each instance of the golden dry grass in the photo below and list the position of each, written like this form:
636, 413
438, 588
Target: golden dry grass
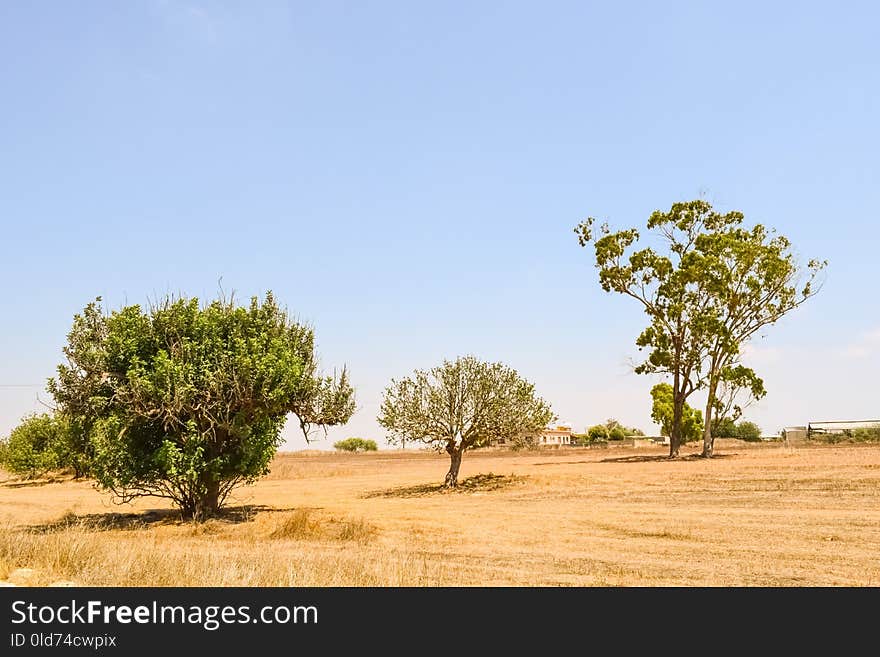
761, 515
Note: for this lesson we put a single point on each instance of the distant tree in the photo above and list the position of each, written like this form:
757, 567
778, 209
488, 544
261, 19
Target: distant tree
356, 445
460, 405
611, 430
724, 427
32, 448
662, 413
581, 438
42, 443
748, 431
186, 401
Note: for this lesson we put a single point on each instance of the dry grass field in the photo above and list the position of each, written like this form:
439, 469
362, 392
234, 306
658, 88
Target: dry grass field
759, 514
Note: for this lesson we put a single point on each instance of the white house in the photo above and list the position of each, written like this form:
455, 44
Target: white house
555, 435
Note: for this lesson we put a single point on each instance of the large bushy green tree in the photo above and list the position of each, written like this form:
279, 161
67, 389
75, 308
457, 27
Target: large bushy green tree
460, 405
186, 401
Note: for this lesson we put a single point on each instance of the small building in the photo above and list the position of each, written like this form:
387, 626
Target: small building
556, 435
553, 436
794, 434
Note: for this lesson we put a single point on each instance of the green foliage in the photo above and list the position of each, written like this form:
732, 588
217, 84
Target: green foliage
186, 402
581, 439
611, 430
748, 431
32, 448
717, 284
355, 445
866, 434
462, 404
860, 435
732, 381
672, 289
662, 410
724, 427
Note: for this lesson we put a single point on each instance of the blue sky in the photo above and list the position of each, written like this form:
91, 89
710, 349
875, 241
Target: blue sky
406, 177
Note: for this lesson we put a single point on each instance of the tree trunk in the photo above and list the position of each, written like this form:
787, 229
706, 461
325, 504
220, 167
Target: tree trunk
205, 505
454, 465
677, 407
675, 433
708, 438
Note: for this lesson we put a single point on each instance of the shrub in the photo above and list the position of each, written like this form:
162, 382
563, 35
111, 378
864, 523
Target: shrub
31, 449
748, 431
611, 430
860, 435
580, 438
356, 445
867, 434
724, 428
186, 401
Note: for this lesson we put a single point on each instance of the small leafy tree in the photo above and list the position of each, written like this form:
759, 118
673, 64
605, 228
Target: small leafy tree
748, 431
611, 430
31, 449
460, 405
662, 413
356, 445
724, 427
185, 402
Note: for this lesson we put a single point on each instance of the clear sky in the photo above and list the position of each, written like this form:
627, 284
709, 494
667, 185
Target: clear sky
406, 177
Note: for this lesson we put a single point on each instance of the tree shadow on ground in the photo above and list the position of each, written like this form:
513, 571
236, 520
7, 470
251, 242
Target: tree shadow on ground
33, 483
562, 462
659, 458
480, 483
135, 521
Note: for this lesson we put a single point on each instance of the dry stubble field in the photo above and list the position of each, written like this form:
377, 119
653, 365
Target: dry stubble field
763, 515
